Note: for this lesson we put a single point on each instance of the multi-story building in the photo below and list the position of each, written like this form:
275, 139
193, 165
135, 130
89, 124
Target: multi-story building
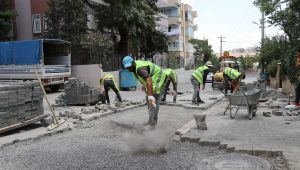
180, 30
30, 19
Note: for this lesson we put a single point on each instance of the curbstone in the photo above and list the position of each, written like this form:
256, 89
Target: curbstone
223, 146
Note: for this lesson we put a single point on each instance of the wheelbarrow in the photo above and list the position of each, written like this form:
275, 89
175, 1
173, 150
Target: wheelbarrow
243, 99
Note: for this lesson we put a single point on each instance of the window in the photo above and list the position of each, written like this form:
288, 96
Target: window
37, 23
45, 23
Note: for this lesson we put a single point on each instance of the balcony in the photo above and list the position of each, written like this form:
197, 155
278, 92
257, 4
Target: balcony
170, 3
195, 14
175, 20
175, 31
195, 27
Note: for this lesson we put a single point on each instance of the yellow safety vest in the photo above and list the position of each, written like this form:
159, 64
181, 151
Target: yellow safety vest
108, 77
232, 73
157, 75
171, 73
199, 72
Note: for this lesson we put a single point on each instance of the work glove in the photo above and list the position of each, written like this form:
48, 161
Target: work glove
151, 100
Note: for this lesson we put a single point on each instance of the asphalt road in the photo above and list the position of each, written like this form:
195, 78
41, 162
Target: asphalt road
114, 142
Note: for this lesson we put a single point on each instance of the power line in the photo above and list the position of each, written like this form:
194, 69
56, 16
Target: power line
221, 44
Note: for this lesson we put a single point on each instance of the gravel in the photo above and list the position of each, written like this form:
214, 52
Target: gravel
101, 144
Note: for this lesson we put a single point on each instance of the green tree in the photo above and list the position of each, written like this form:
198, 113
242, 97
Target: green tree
250, 60
172, 60
134, 22
66, 19
203, 51
5, 18
284, 14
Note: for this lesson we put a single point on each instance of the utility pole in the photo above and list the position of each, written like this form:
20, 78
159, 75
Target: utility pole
221, 44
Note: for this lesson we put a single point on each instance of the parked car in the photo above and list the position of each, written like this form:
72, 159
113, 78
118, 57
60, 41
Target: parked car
209, 77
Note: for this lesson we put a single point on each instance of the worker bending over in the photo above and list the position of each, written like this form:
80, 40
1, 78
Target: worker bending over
199, 78
153, 78
232, 78
108, 82
171, 77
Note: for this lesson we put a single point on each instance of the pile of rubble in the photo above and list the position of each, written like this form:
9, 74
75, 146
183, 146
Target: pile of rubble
77, 93
20, 101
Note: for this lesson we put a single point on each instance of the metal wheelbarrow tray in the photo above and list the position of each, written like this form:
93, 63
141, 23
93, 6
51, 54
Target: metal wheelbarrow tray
248, 99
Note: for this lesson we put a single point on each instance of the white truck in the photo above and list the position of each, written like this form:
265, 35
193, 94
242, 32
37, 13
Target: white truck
51, 57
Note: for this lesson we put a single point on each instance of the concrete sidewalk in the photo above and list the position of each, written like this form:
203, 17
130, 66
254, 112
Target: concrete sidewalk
261, 136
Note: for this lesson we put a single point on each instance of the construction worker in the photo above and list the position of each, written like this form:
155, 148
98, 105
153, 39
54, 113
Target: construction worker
108, 82
232, 78
199, 78
153, 78
171, 77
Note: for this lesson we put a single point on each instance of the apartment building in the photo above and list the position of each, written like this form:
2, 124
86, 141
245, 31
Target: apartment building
180, 30
29, 22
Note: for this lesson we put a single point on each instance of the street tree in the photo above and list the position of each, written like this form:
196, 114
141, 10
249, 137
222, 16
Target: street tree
134, 22
66, 19
5, 18
285, 14
203, 51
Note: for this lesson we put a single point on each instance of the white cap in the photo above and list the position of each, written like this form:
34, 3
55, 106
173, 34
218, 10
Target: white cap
208, 64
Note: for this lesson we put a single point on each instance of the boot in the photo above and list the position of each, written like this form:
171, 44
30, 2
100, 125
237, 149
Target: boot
200, 101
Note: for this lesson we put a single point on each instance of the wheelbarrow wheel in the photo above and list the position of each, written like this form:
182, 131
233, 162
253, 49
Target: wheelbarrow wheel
250, 112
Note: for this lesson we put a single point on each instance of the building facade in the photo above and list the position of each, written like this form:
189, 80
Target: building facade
180, 29
29, 22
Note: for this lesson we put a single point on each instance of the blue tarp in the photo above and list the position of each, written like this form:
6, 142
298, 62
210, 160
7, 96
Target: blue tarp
21, 52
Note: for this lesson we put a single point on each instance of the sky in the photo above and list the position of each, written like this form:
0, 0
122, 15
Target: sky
232, 19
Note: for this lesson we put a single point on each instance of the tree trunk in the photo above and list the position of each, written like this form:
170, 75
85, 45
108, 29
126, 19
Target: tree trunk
123, 44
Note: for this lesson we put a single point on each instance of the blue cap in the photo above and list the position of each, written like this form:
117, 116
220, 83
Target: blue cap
127, 61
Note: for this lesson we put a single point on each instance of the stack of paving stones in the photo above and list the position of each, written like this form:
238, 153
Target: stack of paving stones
20, 101
77, 93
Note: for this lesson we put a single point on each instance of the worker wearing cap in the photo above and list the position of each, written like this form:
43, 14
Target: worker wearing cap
108, 82
171, 77
232, 77
199, 78
153, 78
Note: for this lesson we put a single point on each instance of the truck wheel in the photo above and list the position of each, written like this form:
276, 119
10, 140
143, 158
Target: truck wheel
54, 88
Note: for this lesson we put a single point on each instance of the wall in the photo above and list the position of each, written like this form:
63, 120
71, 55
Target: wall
92, 73
288, 87
23, 20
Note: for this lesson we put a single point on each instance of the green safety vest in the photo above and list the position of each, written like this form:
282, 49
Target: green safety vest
232, 73
108, 77
171, 73
199, 72
157, 75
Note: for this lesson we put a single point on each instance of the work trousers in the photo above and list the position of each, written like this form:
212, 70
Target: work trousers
153, 111
109, 84
166, 90
196, 86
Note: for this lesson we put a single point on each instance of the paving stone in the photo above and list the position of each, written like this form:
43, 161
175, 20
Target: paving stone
277, 113
47, 121
267, 114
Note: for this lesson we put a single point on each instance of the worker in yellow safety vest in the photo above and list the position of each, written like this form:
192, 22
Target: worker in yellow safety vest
232, 78
199, 78
171, 77
153, 78
108, 82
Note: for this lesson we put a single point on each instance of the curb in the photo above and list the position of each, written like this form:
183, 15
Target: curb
111, 112
63, 130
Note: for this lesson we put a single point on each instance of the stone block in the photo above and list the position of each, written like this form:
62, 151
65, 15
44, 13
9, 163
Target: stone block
277, 112
200, 118
267, 114
47, 121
